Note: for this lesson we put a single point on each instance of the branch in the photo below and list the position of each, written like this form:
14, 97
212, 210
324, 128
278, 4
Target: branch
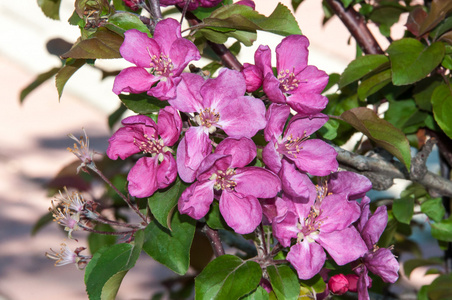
214, 239
382, 172
227, 58
357, 27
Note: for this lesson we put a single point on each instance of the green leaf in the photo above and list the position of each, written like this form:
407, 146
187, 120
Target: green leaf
97, 241
423, 91
162, 202
115, 116
142, 103
442, 106
121, 21
316, 283
403, 209
373, 84
284, 282
380, 131
171, 248
405, 115
258, 294
442, 230
105, 271
362, 66
329, 129
50, 8
411, 264
40, 79
434, 209
227, 277
63, 75
103, 43
214, 218
281, 21
440, 288
412, 61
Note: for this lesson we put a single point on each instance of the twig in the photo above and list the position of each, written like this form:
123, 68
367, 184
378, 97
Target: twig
382, 172
214, 239
356, 26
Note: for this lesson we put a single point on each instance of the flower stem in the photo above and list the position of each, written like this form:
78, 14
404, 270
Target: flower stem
126, 199
214, 239
107, 232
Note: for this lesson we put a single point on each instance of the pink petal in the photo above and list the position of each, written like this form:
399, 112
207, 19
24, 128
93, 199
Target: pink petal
165, 88
354, 185
253, 77
196, 199
236, 208
170, 125
296, 184
182, 52
167, 31
343, 246
271, 158
133, 80
272, 90
304, 125
276, 117
307, 258
258, 182
338, 213
307, 103
285, 224
219, 91
242, 151
143, 177
292, 54
317, 158
137, 48
188, 98
263, 59
313, 80
167, 171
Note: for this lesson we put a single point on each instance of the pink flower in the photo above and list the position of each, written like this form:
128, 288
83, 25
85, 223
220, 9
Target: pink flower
224, 174
213, 104
157, 169
296, 84
309, 155
319, 222
166, 55
194, 4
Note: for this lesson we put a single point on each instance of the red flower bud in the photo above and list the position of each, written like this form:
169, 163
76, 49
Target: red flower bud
352, 282
338, 284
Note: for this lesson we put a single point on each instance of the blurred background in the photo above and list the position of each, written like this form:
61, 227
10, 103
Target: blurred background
33, 140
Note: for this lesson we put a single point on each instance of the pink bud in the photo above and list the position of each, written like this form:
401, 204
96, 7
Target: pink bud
133, 4
249, 3
352, 282
338, 284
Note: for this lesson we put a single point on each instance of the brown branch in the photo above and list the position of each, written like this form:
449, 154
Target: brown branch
214, 239
227, 58
382, 172
356, 26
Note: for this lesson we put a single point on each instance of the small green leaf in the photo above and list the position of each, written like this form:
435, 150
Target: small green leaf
412, 61
63, 75
329, 129
214, 218
103, 43
403, 209
284, 282
50, 8
362, 66
122, 21
227, 277
442, 106
258, 294
142, 103
295, 4
434, 209
373, 84
163, 201
101, 274
171, 248
405, 115
423, 91
442, 230
380, 131
316, 283
115, 116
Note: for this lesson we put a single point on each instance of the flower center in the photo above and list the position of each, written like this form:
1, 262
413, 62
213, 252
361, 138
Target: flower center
208, 118
291, 147
152, 146
162, 65
223, 179
288, 82
311, 225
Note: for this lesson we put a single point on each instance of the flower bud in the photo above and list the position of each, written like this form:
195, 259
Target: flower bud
338, 284
352, 282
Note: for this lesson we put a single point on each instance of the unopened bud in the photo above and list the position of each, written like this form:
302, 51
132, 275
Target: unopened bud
338, 284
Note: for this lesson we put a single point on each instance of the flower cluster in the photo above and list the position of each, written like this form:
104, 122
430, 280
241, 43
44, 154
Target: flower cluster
210, 135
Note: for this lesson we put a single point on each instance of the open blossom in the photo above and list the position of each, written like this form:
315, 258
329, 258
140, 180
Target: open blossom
67, 256
213, 104
193, 4
166, 55
66, 218
379, 261
140, 134
83, 153
224, 174
309, 155
321, 222
297, 84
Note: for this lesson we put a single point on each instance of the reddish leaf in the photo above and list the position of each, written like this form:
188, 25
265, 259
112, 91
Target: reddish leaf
102, 44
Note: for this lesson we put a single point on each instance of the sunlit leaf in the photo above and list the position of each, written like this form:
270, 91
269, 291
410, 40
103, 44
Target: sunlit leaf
442, 107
